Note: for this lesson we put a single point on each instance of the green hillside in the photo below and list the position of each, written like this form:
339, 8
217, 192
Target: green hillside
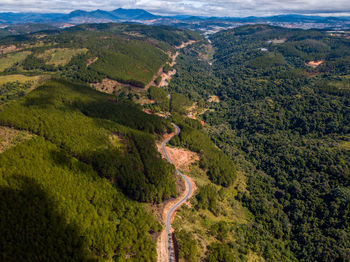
85, 143
55, 207
130, 54
84, 121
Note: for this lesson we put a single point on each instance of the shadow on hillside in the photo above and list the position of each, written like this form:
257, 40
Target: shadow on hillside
62, 159
31, 229
42, 101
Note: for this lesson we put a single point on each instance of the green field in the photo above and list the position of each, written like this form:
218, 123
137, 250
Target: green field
10, 59
20, 78
15, 86
60, 56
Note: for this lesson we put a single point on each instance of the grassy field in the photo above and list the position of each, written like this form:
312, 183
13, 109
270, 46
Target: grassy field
10, 59
60, 56
15, 86
345, 145
19, 78
342, 83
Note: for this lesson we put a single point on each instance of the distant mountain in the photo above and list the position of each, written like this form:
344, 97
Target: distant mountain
137, 14
185, 21
97, 16
17, 18
78, 16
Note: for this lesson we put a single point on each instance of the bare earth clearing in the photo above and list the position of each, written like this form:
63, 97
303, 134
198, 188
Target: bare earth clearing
10, 137
182, 158
315, 64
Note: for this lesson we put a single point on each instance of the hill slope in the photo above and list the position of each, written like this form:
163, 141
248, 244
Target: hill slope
77, 162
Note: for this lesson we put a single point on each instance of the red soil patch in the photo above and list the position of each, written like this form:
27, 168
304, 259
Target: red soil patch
182, 158
315, 64
91, 61
106, 86
8, 49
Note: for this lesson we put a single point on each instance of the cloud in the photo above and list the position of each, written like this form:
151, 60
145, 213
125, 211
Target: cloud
191, 7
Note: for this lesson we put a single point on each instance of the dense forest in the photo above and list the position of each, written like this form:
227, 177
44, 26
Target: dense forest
289, 119
82, 135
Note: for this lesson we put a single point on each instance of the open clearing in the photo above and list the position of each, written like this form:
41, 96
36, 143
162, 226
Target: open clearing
60, 56
214, 99
10, 137
182, 158
315, 64
10, 59
19, 78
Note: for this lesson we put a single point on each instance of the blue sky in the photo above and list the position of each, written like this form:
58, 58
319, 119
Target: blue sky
192, 7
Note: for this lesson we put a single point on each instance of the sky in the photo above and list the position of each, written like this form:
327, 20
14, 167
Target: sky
233, 8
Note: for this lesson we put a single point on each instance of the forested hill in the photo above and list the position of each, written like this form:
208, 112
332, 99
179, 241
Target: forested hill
288, 93
75, 163
127, 53
283, 112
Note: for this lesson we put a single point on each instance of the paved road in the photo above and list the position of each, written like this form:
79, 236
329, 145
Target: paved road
179, 203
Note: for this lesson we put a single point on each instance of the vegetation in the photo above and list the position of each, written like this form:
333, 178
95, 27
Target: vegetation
131, 54
187, 246
74, 162
274, 153
132, 62
158, 80
12, 90
78, 119
9, 60
283, 122
207, 198
221, 253
167, 68
220, 169
160, 96
60, 56
178, 103
15, 86
10, 137
54, 207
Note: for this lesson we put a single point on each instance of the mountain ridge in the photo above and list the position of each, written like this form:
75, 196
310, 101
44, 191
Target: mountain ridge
121, 14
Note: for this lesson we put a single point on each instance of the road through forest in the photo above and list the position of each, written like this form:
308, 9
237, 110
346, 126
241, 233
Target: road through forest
184, 198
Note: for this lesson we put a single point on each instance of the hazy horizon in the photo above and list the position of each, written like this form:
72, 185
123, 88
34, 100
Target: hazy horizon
232, 8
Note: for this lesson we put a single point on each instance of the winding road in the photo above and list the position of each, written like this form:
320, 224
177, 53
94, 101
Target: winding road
172, 210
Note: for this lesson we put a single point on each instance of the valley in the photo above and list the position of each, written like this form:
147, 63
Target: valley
130, 142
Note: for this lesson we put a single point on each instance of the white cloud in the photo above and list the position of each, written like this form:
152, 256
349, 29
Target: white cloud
192, 7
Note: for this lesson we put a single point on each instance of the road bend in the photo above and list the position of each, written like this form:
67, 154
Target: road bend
172, 210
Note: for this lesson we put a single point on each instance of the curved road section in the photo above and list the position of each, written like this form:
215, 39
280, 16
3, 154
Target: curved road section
171, 212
